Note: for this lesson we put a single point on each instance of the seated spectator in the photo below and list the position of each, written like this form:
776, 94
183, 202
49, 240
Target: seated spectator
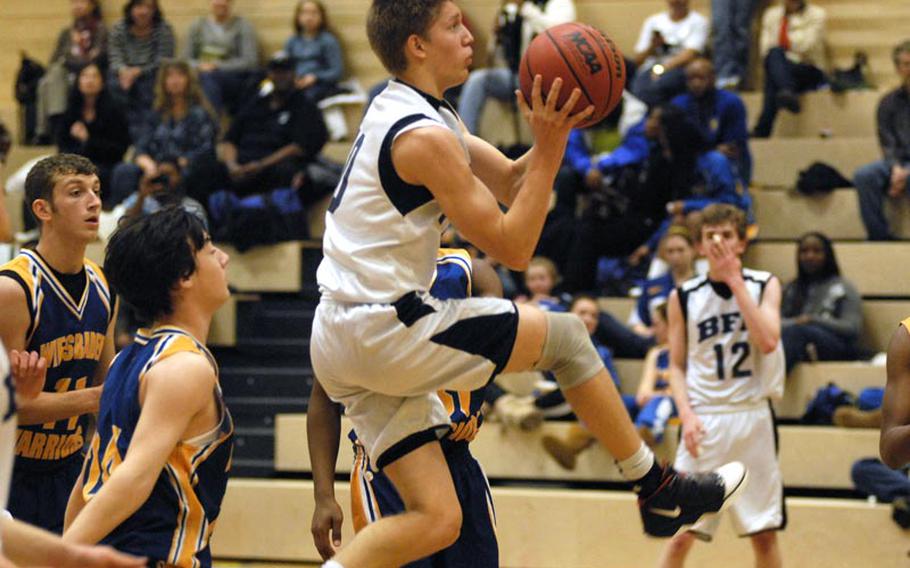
668, 42
516, 25
891, 175
138, 44
731, 22
271, 140
541, 279
654, 398
222, 49
677, 250
318, 61
821, 311
719, 114
82, 42
177, 136
872, 477
793, 47
94, 126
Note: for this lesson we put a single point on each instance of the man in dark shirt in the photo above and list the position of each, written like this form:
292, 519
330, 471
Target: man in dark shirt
271, 140
890, 176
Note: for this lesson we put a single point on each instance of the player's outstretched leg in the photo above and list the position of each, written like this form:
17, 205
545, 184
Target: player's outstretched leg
667, 499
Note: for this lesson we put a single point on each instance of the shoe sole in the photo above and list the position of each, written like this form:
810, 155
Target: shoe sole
739, 485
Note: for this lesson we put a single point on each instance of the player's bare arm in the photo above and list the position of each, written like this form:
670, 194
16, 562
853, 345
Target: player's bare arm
894, 444
693, 429
762, 321
501, 175
108, 352
323, 425
30, 546
509, 237
648, 378
28, 369
179, 393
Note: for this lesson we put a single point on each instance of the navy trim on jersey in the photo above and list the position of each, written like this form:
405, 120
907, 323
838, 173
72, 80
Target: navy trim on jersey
28, 299
434, 102
410, 308
491, 337
761, 284
411, 443
404, 196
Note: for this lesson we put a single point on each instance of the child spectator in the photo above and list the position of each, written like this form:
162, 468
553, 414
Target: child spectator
541, 279
138, 44
82, 42
222, 49
179, 133
677, 251
94, 126
822, 311
654, 398
793, 46
318, 61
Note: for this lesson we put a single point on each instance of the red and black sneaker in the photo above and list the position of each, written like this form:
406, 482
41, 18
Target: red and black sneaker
681, 499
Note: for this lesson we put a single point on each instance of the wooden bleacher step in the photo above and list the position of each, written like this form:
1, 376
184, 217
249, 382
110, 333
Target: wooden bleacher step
777, 161
538, 528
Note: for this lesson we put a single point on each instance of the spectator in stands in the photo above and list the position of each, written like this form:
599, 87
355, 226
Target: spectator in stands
872, 477
653, 397
516, 25
82, 42
94, 126
222, 49
793, 47
821, 311
667, 43
179, 133
541, 279
890, 175
318, 60
719, 114
731, 21
271, 140
677, 250
138, 44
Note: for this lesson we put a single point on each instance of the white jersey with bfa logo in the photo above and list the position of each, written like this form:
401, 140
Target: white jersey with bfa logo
382, 233
723, 367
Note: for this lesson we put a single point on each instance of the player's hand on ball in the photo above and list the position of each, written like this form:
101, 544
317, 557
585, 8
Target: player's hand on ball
551, 125
327, 520
29, 371
693, 432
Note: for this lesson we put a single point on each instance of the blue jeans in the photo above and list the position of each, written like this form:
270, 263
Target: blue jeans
781, 74
872, 182
730, 24
654, 92
828, 345
499, 83
225, 88
872, 477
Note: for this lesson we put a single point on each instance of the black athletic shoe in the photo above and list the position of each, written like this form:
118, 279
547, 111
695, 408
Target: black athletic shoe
682, 499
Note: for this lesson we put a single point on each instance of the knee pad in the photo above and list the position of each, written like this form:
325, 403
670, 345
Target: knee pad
568, 351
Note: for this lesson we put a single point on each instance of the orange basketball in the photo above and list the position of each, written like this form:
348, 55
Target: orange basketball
583, 57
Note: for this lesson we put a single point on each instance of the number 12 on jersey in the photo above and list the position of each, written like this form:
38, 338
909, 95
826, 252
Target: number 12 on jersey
740, 349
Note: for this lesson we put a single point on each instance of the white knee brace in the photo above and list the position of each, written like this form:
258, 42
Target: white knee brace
568, 351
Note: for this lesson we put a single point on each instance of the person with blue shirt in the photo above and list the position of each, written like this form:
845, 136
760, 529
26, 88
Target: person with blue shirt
319, 64
678, 252
719, 114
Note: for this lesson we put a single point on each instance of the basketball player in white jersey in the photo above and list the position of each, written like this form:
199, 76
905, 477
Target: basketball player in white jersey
22, 544
382, 347
726, 364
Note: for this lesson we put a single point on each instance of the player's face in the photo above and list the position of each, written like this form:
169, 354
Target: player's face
211, 274
588, 312
903, 67
450, 48
539, 281
811, 255
76, 207
678, 253
727, 233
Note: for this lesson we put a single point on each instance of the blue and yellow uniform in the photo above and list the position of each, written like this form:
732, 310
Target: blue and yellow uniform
373, 495
69, 319
655, 414
175, 523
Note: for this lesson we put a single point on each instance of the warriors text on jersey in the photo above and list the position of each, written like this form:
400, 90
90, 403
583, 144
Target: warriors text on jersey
69, 331
723, 367
382, 234
175, 523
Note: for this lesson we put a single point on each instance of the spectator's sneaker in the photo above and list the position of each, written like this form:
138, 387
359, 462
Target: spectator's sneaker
900, 512
682, 499
789, 101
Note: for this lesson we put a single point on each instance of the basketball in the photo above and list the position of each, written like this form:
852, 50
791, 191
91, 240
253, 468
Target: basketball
585, 58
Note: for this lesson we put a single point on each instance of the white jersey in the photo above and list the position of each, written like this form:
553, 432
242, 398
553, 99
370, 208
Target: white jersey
723, 367
382, 234
7, 427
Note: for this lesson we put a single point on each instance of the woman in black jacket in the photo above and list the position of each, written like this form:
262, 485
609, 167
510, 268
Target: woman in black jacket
93, 125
